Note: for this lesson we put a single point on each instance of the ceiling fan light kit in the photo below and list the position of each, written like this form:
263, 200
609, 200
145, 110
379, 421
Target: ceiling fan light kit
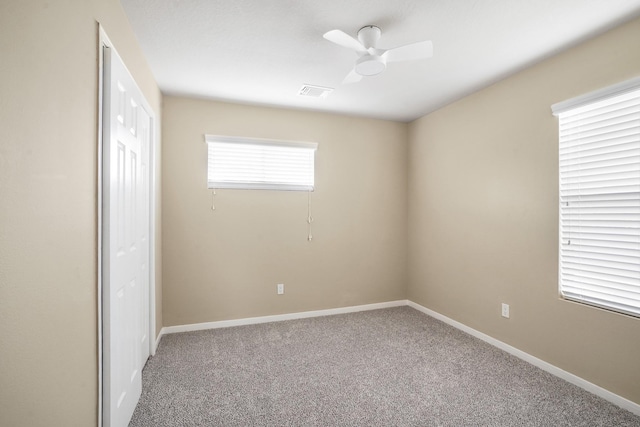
370, 65
371, 60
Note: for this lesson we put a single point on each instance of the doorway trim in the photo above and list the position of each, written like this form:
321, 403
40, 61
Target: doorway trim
104, 41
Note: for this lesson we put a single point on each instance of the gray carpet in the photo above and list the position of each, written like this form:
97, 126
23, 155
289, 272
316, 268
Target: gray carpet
391, 367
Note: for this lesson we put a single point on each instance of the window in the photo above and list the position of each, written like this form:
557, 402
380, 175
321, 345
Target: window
258, 164
600, 198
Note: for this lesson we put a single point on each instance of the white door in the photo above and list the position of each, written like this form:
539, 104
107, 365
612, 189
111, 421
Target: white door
126, 137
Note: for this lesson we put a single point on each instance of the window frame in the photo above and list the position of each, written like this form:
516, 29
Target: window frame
561, 110
267, 147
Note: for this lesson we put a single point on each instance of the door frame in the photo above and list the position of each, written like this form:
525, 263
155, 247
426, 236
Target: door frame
104, 41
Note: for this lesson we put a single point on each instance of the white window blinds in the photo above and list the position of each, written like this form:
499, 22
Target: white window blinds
257, 164
600, 200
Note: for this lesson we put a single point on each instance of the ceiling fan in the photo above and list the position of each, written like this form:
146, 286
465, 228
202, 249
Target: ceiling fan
371, 60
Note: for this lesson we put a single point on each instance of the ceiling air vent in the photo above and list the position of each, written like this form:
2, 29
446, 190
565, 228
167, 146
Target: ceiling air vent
315, 91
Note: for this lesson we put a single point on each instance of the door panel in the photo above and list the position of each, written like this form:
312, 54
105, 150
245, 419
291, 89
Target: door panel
125, 241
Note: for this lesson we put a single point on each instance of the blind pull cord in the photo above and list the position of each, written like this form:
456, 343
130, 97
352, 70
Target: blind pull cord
213, 200
309, 217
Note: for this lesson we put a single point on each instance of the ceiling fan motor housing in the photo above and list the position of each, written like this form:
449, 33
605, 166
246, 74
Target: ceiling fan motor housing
369, 36
370, 63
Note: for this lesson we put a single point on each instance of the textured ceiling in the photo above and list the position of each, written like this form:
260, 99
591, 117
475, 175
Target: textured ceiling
262, 52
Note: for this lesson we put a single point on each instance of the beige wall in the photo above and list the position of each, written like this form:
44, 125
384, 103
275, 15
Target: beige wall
48, 197
226, 264
483, 215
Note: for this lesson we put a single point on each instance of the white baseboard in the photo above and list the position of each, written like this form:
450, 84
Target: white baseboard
554, 370
278, 317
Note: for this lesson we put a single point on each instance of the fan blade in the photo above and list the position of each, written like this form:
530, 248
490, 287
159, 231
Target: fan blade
409, 52
345, 40
352, 77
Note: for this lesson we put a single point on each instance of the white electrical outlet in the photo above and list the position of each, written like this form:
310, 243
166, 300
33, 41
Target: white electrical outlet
280, 288
505, 310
